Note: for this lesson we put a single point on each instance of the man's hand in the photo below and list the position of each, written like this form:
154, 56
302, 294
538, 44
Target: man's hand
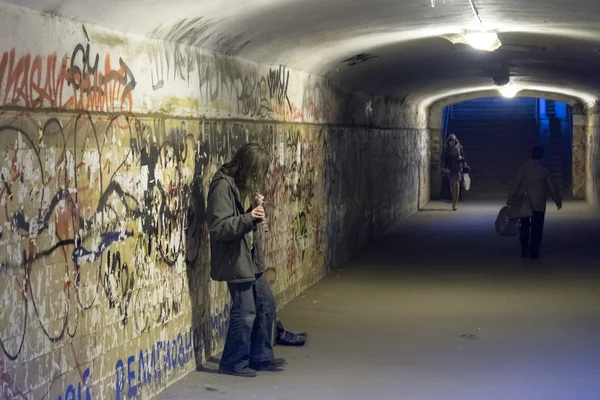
258, 213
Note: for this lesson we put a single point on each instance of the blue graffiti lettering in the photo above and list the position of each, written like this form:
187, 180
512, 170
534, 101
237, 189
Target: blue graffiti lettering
141, 368
147, 375
189, 344
130, 377
167, 356
119, 380
154, 366
175, 353
72, 394
182, 354
81, 255
87, 375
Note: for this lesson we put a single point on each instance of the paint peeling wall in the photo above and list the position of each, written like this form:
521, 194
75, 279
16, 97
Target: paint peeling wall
107, 146
68, 66
579, 163
592, 170
106, 250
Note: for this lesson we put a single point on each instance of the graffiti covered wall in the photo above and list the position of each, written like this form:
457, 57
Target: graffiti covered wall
107, 146
104, 240
361, 212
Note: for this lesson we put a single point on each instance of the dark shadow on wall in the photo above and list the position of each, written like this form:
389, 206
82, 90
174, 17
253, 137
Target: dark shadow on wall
197, 257
215, 146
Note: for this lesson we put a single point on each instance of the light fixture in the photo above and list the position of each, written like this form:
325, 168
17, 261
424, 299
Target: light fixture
509, 91
482, 40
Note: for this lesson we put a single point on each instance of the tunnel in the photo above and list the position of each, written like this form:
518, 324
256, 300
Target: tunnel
116, 115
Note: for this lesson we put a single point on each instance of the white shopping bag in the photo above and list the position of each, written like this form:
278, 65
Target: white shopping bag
506, 226
467, 182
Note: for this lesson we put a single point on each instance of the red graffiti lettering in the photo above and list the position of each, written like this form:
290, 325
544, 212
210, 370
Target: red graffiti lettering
29, 82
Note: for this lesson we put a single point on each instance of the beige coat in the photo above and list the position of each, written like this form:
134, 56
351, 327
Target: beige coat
535, 179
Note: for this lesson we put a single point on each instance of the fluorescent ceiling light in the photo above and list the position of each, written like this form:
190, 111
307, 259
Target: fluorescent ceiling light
480, 40
508, 91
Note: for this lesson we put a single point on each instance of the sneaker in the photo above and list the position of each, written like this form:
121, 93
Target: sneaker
272, 365
244, 372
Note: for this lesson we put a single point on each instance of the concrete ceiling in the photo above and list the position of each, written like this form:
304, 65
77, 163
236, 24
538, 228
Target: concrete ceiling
384, 47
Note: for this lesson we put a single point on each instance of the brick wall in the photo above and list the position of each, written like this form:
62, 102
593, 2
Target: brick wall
104, 278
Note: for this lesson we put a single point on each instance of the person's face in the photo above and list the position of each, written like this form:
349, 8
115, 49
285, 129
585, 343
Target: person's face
452, 142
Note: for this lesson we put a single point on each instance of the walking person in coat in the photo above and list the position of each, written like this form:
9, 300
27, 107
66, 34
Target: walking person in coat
453, 161
535, 180
234, 216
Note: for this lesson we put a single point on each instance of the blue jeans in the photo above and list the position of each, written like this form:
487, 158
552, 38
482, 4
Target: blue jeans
251, 319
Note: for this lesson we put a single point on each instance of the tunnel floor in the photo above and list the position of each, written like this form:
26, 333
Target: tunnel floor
443, 309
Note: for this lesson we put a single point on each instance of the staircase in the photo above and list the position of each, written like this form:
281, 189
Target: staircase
497, 135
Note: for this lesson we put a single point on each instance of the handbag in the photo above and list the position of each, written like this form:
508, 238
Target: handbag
521, 206
466, 182
506, 226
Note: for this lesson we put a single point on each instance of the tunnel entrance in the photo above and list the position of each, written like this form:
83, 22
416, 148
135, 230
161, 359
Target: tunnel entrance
497, 134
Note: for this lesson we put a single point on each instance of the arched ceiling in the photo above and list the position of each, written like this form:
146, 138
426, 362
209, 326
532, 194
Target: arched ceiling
383, 47
437, 106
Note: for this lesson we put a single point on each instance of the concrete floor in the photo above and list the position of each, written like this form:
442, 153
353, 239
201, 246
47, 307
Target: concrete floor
389, 325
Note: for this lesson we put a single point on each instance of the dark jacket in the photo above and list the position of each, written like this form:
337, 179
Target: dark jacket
233, 259
535, 180
453, 158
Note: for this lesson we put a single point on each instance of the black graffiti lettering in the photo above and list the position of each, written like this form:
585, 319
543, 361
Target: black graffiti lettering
118, 283
128, 79
86, 67
279, 80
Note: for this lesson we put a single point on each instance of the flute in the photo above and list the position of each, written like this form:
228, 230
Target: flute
263, 222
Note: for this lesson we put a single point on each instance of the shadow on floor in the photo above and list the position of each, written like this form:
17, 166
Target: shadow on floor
211, 366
